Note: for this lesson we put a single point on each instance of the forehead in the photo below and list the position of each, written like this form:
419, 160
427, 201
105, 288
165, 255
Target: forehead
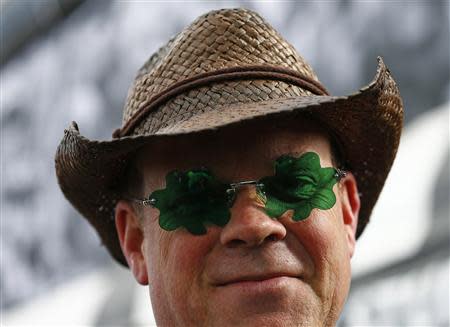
245, 149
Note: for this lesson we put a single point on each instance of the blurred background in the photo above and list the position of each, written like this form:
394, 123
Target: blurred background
64, 60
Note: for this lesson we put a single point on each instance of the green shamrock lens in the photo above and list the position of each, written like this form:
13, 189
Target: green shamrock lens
191, 199
299, 184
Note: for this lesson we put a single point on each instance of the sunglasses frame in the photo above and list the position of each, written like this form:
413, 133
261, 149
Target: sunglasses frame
340, 173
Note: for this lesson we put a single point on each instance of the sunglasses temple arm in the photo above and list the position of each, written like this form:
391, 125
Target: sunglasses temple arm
340, 174
144, 202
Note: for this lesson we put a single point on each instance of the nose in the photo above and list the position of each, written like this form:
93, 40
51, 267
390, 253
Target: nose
249, 225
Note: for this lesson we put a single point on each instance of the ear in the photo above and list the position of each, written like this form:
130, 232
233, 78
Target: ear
131, 240
350, 203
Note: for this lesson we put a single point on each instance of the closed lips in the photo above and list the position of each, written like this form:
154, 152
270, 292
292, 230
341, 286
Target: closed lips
255, 278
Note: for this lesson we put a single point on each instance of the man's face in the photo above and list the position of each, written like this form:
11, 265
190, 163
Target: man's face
254, 271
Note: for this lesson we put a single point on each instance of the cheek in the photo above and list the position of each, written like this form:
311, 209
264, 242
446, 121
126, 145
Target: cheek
171, 255
175, 256
176, 275
322, 232
323, 236
185, 255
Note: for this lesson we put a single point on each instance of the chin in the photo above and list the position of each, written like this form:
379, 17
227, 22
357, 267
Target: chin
263, 312
266, 319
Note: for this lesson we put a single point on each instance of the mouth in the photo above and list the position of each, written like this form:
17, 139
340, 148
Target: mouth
257, 279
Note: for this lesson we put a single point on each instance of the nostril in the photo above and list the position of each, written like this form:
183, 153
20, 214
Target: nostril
236, 243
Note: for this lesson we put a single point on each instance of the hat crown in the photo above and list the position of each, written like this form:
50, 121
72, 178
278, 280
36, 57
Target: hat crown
216, 40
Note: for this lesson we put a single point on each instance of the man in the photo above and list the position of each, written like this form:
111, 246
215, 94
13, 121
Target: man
233, 187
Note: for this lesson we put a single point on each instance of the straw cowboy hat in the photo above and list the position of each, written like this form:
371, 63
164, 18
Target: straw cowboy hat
229, 66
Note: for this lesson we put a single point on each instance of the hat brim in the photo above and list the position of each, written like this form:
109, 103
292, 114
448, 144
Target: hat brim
367, 125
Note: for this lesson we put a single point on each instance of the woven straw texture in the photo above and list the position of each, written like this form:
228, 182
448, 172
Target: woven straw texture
366, 124
219, 39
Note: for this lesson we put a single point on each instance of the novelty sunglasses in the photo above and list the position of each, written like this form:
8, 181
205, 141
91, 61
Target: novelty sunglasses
195, 197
